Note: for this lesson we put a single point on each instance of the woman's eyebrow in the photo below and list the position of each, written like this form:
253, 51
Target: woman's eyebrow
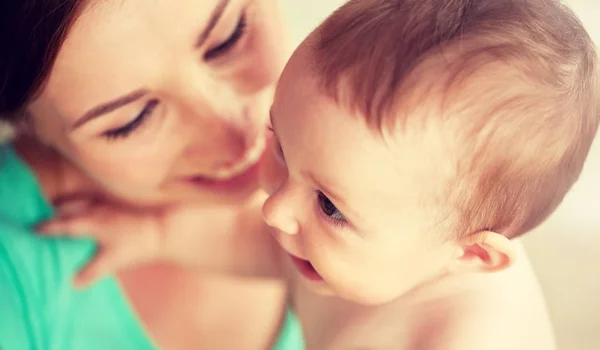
110, 106
212, 22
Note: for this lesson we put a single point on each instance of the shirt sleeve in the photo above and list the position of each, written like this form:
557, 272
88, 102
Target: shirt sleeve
35, 272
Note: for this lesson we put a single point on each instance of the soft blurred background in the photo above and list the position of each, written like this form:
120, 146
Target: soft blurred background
565, 251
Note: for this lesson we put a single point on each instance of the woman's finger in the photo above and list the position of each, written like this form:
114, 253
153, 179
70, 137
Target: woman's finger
102, 264
75, 207
69, 227
111, 258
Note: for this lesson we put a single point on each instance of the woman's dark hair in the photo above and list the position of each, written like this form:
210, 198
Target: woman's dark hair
31, 34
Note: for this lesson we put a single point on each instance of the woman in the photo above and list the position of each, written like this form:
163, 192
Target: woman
140, 103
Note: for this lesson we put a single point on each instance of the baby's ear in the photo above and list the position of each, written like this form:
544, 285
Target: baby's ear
485, 251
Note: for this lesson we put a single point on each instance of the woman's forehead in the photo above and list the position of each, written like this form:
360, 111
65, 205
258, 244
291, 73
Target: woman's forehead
116, 47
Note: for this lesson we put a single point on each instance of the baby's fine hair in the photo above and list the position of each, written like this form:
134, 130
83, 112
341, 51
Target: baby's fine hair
516, 81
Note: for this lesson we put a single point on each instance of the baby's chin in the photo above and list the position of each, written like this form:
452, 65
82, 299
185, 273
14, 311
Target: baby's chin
366, 297
324, 289
320, 288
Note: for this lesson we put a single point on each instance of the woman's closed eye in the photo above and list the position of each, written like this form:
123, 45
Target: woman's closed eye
125, 130
230, 42
329, 210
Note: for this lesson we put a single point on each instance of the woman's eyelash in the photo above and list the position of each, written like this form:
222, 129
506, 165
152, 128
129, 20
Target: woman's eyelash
222, 48
330, 211
127, 129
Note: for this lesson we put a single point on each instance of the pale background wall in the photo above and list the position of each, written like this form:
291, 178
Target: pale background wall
566, 250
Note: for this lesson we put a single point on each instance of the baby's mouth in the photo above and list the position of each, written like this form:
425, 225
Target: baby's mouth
306, 269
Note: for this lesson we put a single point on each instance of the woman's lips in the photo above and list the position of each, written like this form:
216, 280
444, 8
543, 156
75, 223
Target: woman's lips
306, 269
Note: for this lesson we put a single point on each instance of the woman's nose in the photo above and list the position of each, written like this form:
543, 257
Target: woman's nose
278, 211
227, 137
220, 122
236, 135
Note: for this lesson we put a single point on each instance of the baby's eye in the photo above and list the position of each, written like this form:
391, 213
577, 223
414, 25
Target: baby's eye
329, 209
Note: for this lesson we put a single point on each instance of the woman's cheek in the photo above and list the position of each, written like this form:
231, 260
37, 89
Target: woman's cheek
127, 167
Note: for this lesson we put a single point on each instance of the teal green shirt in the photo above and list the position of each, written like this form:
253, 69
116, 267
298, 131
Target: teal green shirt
39, 308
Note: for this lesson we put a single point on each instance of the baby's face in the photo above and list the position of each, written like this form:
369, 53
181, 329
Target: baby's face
353, 209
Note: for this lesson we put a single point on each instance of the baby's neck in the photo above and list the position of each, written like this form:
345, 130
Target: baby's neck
470, 285
441, 308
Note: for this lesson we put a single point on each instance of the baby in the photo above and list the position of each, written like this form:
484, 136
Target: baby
418, 138
414, 142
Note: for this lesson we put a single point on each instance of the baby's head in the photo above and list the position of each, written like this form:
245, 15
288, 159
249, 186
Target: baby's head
416, 138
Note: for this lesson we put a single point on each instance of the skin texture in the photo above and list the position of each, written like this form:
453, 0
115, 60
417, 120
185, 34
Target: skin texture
208, 120
360, 261
208, 105
396, 303
358, 205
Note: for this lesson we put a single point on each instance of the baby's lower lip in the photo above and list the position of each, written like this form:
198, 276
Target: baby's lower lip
306, 269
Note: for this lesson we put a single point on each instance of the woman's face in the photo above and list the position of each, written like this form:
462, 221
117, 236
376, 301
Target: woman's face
162, 100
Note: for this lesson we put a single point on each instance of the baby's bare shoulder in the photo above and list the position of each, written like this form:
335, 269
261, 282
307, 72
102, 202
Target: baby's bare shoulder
491, 324
496, 311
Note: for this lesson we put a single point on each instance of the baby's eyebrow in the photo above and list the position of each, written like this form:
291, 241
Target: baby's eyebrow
325, 189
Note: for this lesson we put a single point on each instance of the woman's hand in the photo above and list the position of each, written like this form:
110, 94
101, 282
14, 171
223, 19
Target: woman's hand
193, 235
126, 237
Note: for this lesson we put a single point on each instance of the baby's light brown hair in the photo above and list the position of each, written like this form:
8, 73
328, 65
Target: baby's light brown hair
516, 81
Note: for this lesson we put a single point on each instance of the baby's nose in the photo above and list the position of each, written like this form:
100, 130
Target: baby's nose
278, 213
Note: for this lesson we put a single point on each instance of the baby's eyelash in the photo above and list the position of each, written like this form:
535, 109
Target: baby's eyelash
329, 211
